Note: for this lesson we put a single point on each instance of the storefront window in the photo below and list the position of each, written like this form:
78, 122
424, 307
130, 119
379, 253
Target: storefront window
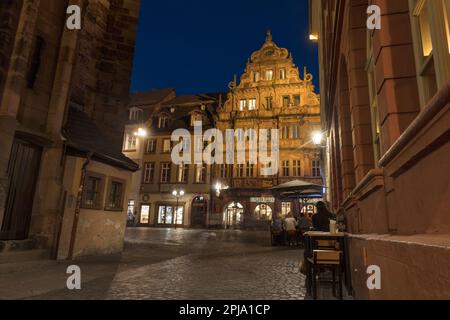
145, 214
167, 216
263, 212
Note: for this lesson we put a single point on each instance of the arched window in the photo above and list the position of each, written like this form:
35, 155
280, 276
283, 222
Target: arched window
263, 212
233, 215
136, 114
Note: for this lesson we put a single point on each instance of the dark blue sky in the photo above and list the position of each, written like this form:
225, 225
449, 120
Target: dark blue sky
197, 46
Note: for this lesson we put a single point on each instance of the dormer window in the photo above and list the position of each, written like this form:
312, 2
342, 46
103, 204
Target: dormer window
252, 104
283, 74
256, 76
163, 122
196, 118
242, 105
269, 75
136, 114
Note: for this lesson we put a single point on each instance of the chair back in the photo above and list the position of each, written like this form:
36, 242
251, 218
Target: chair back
327, 257
327, 245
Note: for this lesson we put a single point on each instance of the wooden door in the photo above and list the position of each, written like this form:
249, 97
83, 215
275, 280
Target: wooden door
23, 171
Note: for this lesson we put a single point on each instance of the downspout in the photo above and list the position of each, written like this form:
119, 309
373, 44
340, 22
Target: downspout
78, 206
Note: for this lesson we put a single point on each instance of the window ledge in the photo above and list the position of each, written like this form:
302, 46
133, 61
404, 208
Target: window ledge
437, 103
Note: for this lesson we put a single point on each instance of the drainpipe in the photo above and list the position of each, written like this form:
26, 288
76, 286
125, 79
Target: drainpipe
78, 206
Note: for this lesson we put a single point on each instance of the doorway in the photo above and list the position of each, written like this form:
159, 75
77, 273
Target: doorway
23, 170
233, 215
199, 212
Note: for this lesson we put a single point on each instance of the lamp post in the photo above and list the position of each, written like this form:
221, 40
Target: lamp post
177, 194
219, 187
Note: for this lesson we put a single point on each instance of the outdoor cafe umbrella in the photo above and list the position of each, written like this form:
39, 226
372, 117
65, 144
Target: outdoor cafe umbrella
297, 185
299, 189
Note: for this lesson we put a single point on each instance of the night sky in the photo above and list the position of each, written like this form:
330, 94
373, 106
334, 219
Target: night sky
197, 46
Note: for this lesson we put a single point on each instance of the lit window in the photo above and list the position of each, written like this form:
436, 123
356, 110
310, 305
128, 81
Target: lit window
167, 215
250, 169
285, 133
163, 122
285, 209
149, 172
167, 145
425, 56
296, 132
145, 214
136, 114
256, 76
200, 173
263, 212
92, 191
282, 74
183, 173
165, 172
296, 166
242, 105
240, 170
286, 101
196, 118
224, 171
285, 168
130, 209
115, 195
447, 23
130, 142
316, 168
252, 104
151, 146
269, 102
269, 75
422, 13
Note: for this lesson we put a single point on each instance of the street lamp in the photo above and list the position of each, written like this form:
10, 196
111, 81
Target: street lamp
141, 133
219, 187
177, 194
317, 138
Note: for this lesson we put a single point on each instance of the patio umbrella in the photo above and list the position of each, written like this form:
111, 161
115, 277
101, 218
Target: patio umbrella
298, 185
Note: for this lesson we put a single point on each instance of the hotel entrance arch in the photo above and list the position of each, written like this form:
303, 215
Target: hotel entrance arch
233, 215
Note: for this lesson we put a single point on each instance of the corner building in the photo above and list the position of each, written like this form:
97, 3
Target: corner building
270, 95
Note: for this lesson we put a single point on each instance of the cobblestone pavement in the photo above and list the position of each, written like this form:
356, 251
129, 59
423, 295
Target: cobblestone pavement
165, 264
220, 265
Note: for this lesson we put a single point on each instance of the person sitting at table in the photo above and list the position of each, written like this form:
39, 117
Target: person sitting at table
290, 225
277, 229
321, 220
304, 225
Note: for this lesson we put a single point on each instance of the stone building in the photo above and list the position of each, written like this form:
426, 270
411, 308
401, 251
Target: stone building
63, 97
148, 141
140, 110
270, 95
386, 111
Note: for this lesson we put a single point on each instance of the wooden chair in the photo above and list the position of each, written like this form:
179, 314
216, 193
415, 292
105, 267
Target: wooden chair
326, 260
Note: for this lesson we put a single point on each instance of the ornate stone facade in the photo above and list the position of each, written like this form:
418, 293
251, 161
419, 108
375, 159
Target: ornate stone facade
270, 95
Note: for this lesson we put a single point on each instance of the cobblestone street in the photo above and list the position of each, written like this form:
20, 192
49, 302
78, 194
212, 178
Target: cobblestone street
173, 264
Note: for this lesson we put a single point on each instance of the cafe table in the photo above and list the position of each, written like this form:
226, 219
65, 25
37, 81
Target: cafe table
311, 238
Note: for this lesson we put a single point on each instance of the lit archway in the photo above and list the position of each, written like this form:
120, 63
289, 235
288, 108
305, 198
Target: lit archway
263, 212
233, 215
